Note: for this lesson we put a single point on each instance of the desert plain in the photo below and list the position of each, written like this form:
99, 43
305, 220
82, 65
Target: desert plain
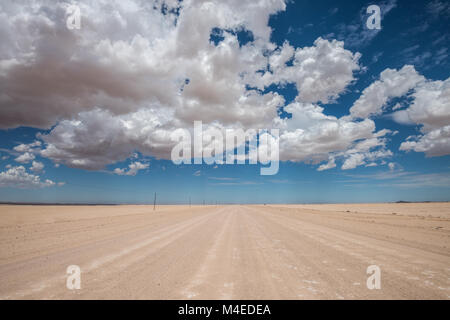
226, 251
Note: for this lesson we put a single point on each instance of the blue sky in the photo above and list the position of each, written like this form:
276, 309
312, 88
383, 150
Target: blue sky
412, 33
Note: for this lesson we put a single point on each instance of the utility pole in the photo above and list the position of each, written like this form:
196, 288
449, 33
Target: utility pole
154, 202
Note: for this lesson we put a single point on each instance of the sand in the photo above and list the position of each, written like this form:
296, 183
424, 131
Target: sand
226, 252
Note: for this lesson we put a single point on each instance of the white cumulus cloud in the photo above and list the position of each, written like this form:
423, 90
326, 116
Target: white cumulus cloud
37, 166
392, 83
132, 170
25, 157
136, 71
18, 177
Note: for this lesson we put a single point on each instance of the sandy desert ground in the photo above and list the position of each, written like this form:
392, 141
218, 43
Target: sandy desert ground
226, 252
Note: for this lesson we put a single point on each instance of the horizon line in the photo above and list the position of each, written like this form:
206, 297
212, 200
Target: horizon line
200, 204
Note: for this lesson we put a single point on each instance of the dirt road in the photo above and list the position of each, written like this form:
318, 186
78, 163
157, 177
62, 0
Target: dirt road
225, 252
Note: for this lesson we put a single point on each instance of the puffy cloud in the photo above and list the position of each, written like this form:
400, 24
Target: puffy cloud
320, 72
133, 169
401, 117
431, 105
126, 57
329, 165
353, 161
391, 166
137, 71
37, 166
430, 108
25, 157
367, 152
323, 71
433, 143
103, 85
392, 83
18, 177
58, 72
98, 138
311, 135
134, 73
28, 151
30, 147
371, 164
